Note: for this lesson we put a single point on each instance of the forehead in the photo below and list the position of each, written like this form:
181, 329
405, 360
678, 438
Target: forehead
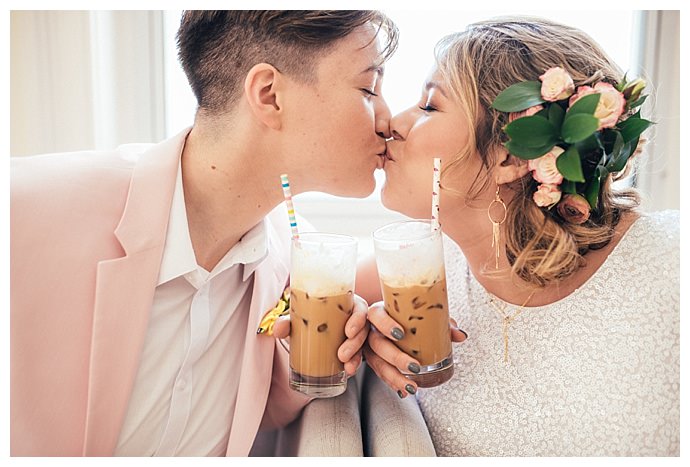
436, 80
357, 53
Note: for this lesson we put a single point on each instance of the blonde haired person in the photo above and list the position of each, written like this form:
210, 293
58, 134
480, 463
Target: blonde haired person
570, 328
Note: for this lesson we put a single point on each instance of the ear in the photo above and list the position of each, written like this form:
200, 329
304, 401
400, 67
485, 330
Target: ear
508, 168
261, 87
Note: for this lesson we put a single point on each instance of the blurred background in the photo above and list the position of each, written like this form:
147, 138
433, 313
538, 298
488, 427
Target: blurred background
98, 79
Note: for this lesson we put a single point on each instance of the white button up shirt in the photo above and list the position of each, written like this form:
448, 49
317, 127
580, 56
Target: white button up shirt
184, 394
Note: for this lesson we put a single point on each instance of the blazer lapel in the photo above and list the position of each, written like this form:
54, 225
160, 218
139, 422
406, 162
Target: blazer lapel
124, 294
257, 362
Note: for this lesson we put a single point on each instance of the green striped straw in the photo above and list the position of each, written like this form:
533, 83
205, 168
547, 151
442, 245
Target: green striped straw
288, 200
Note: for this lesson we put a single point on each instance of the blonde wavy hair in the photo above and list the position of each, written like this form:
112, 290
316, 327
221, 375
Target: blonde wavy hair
480, 62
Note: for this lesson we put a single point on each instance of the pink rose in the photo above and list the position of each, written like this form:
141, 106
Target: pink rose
574, 209
556, 84
525, 113
544, 168
547, 195
611, 103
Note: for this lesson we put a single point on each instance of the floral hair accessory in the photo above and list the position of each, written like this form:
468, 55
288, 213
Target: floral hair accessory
572, 137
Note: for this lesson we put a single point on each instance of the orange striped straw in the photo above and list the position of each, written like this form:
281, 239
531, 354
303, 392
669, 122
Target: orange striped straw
435, 192
288, 200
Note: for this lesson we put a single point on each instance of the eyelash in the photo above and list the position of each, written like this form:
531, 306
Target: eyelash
369, 93
427, 108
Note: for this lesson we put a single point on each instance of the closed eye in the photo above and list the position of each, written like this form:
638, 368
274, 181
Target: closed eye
428, 108
368, 92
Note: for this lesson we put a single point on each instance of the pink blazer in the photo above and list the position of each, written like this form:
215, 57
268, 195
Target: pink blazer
87, 234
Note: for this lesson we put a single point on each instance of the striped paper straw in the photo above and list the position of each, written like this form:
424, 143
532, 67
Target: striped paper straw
288, 200
436, 189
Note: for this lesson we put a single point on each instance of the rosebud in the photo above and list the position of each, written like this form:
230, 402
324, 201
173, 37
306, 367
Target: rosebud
556, 84
546, 195
574, 209
633, 89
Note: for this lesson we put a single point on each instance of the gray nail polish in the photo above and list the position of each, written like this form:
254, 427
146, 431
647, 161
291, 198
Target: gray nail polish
397, 333
400, 394
413, 367
409, 388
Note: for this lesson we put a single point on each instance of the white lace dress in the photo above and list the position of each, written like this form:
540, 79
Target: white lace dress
594, 374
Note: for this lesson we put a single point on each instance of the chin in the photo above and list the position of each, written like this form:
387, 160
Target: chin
392, 202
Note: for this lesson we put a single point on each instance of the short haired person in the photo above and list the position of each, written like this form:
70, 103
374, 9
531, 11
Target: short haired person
139, 275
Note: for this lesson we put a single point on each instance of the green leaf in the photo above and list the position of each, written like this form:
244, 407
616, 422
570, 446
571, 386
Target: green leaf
526, 153
578, 127
532, 132
618, 161
584, 105
638, 102
623, 83
633, 127
556, 115
518, 97
569, 187
569, 165
592, 191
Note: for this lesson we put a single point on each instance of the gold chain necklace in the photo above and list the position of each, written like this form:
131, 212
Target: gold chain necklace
508, 320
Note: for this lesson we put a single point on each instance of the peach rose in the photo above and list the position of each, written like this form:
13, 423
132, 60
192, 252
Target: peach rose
547, 195
556, 84
544, 168
525, 113
611, 103
574, 209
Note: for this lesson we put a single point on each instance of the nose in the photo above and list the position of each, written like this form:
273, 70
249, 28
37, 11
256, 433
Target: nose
399, 126
382, 119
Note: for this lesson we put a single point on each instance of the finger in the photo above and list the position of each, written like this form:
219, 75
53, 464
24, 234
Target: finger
353, 364
389, 374
456, 334
281, 328
385, 349
352, 346
358, 320
384, 323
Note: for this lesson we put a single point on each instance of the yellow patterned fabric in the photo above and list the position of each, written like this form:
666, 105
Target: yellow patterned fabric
282, 308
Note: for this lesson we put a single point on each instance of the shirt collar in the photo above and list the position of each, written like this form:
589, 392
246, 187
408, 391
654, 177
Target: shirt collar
178, 253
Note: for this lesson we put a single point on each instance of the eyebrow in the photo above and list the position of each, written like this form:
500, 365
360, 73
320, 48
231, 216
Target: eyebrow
375, 68
434, 84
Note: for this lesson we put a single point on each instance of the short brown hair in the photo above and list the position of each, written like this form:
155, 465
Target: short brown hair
218, 48
478, 64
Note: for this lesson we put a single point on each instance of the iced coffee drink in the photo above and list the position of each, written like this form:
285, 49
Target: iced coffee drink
409, 258
321, 301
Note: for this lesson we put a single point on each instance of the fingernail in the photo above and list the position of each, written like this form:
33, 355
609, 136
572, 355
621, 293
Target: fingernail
397, 333
347, 353
413, 367
400, 394
409, 388
462, 332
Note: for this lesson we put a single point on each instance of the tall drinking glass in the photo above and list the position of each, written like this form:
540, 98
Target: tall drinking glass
322, 281
409, 258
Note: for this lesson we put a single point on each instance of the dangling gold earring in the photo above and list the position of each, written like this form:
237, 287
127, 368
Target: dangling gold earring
496, 238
